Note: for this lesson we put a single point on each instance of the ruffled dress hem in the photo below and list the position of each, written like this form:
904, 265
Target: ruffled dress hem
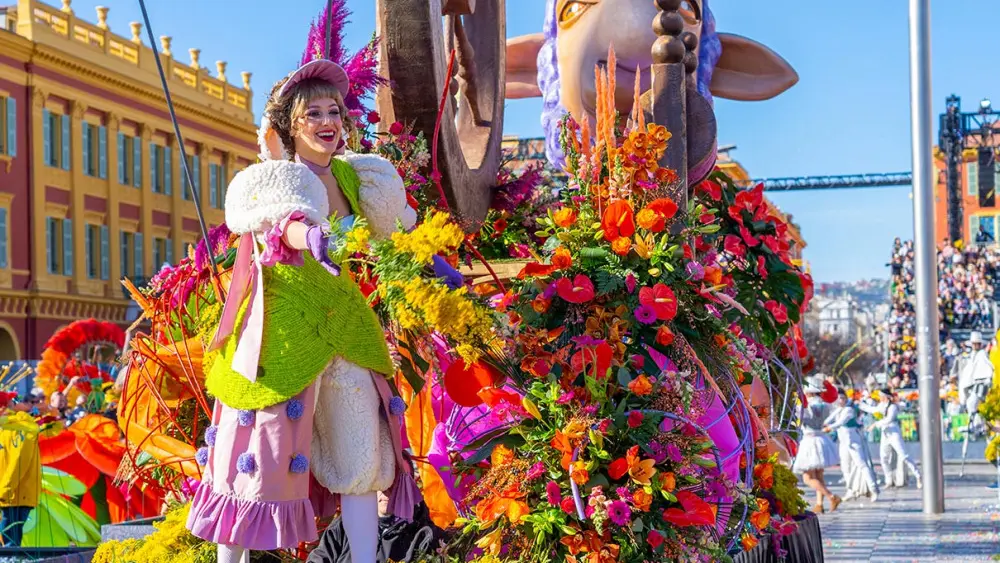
252, 524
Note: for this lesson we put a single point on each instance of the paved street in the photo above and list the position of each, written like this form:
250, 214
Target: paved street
895, 529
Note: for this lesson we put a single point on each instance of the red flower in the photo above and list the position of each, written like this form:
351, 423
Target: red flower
664, 209
373, 117
807, 287
751, 201
568, 505
664, 336
654, 539
618, 220
734, 245
580, 290
778, 310
762, 267
618, 469
661, 298
596, 358
396, 128
712, 189
534, 269
500, 225
412, 201
696, 512
747, 237
635, 419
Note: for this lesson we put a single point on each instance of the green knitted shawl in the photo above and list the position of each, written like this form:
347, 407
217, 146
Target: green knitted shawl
310, 317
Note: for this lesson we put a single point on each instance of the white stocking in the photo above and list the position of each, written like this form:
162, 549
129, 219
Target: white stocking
359, 513
233, 554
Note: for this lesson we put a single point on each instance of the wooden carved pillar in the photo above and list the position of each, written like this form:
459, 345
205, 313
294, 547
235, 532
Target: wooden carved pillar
674, 58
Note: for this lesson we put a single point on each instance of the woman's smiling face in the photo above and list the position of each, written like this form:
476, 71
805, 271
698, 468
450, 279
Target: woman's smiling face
319, 129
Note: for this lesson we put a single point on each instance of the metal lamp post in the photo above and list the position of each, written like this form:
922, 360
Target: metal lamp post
925, 255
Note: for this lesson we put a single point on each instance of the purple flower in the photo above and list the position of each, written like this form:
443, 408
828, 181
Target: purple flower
586, 340
589, 410
535, 471
554, 496
397, 406
202, 456
696, 271
190, 487
674, 453
550, 290
294, 409
624, 494
443, 270
630, 282
645, 314
300, 464
210, 435
246, 418
658, 452
619, 512
246, 463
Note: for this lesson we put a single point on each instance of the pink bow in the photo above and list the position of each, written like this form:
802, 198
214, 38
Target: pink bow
247, 278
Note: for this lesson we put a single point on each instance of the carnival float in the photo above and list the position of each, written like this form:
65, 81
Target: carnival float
626, 390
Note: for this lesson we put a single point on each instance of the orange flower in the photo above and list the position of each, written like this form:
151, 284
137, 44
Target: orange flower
713, 275
664, 336
621, 246
760, 519
578, 473
642, 500
576, 429
763, 475
641, 386
562, 259
507, 504
502, 455
618, 220
641, 471
749, 542
668, 482
647, 219
564, 217
540, 304
658, 137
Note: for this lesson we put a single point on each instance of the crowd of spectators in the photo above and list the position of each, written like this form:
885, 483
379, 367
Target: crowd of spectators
902, 322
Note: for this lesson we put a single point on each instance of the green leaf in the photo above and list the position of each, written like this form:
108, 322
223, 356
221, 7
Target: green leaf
62, 483
624, 377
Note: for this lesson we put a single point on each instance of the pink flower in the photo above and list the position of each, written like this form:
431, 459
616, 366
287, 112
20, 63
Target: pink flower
619, 512
603, 425
373, 117
553, 494
635, 419
535, 471
778, 310
396, 128
637, 361
696, 271
565, 398
674, 453
645, 314
630, 282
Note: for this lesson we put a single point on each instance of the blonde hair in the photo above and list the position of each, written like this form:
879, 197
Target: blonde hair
283, 111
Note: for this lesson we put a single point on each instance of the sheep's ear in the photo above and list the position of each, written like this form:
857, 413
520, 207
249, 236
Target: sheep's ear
522, 66
750, 71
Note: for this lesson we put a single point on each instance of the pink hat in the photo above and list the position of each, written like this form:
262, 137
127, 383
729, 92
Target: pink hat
323, 69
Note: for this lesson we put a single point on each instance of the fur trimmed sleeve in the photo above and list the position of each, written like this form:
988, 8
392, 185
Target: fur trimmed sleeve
263, 194
382, 196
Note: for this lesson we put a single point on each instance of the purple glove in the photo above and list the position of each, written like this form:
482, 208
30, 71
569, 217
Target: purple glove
317, 242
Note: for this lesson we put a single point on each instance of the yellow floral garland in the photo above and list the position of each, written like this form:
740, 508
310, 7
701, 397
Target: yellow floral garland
171, 543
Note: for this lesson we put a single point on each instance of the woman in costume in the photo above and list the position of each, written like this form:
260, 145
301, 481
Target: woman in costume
895, 460
300, 359
816, 450
855, 463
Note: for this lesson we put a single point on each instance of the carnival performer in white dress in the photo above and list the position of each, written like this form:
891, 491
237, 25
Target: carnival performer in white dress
891, 443
855, 462
816, 450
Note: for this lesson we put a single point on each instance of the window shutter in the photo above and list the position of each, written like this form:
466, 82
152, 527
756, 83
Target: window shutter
197, 177
138, 255
49, 243
88, 243
168, 175
11, 126
213, 176
137, 162
66, 154
105, 253
123, 242
122, 164
170, 251
102, 152
67, 235
85, 149
972, 170
3, 237
47, 135
153, 161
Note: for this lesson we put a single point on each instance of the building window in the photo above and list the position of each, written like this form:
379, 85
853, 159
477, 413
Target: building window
163, 252
129, 160
59, 246
972, 170
160, 169
4, 247
95, 150
987, 222
194, 163
131, 253
55, 135
8, 126
98, 252
217, 185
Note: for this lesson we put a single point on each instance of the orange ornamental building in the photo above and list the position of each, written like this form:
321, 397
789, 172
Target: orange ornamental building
91, 186
972, 214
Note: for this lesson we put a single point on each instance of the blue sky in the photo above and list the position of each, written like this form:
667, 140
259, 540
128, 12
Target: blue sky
848, 114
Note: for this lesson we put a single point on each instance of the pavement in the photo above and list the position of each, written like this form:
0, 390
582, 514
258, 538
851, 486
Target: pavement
895, 528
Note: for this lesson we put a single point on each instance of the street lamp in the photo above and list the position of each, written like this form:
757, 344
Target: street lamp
985, 106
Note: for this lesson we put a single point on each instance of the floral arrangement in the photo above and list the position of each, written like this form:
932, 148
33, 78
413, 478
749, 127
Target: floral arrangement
171, 543
520, 201
615, 444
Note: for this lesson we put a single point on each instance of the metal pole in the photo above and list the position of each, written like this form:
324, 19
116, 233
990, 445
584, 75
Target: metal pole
926, 256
